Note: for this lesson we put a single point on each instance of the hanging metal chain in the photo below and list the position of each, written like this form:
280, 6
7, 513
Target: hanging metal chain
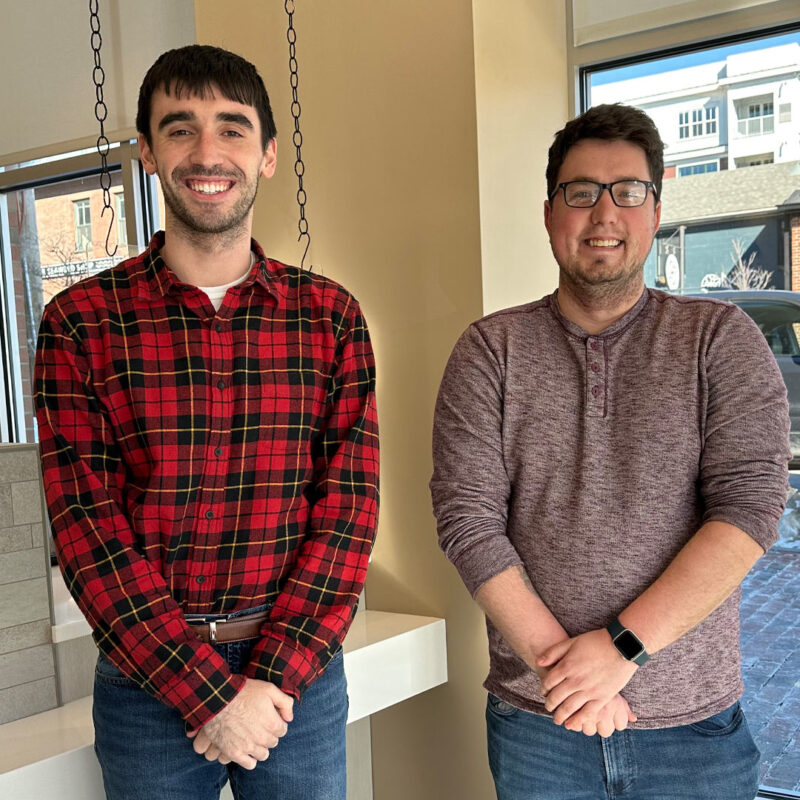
297, 136
101, 113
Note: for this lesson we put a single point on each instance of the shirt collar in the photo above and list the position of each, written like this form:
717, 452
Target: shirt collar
575, 330
159, 279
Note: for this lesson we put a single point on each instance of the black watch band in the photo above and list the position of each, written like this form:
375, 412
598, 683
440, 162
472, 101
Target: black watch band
628, 644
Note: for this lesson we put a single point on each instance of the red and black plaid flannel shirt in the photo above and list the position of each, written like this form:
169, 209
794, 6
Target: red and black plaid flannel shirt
207, 462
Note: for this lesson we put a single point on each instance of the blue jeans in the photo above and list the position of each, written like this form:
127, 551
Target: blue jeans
533, 759
144, 753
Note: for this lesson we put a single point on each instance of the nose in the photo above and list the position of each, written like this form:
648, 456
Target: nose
205, 151
605, 209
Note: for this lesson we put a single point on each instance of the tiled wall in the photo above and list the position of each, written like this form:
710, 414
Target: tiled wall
27, 673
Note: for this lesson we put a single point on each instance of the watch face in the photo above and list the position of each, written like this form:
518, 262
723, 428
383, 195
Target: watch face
628, 645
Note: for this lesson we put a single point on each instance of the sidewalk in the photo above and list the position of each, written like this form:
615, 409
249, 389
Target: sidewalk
770, 638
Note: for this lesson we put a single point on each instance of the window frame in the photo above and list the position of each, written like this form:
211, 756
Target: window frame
142, 218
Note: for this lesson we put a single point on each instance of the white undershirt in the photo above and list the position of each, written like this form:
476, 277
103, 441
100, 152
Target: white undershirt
216, 294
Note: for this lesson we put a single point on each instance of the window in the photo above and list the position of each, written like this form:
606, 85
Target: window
119, 211
711, 119
697, 169
683, 125
703, 122
755, 161
724, 229
47, 243
83, 225
755, 117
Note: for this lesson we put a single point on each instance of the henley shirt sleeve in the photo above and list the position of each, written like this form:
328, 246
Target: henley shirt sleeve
743, 467
135, 621
470, 487
317, 601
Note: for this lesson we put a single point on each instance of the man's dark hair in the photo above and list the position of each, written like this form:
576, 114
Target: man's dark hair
197, 69
611, 122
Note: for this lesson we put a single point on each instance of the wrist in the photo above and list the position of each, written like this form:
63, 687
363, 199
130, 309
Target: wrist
627, 643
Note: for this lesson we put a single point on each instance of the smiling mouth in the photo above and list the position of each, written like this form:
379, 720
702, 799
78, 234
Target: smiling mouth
209, 187
604, 242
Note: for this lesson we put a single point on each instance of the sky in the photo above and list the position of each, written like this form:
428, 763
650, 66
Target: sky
690, 59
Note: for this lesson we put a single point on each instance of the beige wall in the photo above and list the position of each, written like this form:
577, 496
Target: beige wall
393, 142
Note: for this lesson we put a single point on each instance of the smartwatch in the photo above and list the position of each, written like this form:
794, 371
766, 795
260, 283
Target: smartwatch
628, 644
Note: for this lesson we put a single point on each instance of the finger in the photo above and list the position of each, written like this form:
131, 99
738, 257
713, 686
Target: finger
285, 705
260, 753
245, 761
589, 728
223, 759
558, 695
554, 653
213, 753
605, 727
570, 706
192, 734
588, 713
201, 742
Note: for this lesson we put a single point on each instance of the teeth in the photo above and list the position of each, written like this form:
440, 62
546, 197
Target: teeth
209, 188
604, 242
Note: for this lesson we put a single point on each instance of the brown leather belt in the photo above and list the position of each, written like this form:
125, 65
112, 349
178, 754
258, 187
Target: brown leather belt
237, 629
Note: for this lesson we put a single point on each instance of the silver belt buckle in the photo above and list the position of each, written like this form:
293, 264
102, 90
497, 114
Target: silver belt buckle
212, 628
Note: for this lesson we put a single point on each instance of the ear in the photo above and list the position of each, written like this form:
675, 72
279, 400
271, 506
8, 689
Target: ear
270, 159
658, 218
548, 211
146, 156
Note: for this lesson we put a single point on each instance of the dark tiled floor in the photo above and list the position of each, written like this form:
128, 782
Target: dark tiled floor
770, 637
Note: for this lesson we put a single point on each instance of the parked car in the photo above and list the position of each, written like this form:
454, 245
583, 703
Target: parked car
777, 314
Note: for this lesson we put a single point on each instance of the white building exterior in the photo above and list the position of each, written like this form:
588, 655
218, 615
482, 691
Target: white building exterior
727, 114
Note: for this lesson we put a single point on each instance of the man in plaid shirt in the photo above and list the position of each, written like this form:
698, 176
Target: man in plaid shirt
210, 456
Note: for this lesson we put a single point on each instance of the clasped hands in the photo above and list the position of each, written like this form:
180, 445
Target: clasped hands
248, 727
581, 681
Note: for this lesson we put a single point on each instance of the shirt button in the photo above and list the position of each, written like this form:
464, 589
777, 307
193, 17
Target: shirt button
218, 328
595, 367
218, 451
595, 345
200, 578
595, 390
209, 515
220, 384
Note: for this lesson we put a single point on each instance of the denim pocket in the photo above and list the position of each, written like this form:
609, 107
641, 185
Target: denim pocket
500, 707
722, 724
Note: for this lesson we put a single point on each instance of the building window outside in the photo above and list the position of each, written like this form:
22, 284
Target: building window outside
711, 120
785, 111
683, 125
756, 118
697, 169
83, 224
46, 244
119, 210
697, 122
754, 161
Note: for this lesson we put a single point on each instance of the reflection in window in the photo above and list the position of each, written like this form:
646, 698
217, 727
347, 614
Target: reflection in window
83, 225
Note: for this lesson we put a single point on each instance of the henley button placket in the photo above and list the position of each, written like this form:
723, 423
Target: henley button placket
595, 378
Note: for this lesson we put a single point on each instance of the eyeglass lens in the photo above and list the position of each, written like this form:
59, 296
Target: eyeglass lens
583, 194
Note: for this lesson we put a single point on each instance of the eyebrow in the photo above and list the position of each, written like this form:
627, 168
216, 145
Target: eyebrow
187, 116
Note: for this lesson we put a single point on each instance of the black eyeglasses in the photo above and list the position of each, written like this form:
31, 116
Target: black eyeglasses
585, 194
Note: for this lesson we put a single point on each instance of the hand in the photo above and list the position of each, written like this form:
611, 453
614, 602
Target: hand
613, 716
585, 673
248, 727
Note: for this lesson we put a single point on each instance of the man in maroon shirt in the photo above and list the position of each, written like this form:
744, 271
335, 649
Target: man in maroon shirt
209, 447
609, 462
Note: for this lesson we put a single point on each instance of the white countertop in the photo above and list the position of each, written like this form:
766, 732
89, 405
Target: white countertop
388, 658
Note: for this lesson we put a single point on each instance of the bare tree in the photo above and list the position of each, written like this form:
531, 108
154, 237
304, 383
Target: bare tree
744, 275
